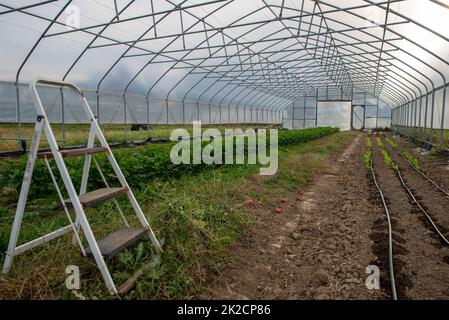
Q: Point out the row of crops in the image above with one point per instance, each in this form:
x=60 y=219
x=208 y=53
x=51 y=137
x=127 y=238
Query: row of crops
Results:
x=139 y=165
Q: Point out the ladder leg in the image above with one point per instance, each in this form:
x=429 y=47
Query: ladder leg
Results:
x=23 y=195
x=143 y=220
x=85 y=176
x=95 y=250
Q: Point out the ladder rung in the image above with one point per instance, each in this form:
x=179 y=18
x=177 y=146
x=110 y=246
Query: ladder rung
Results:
x=118 y=241
x=94 y=197
x=72 y=152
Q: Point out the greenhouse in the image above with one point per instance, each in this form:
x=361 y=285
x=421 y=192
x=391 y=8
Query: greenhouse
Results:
x=224 y=149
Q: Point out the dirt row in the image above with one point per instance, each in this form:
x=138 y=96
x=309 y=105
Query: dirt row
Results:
x=420 y=259
x=319 y=249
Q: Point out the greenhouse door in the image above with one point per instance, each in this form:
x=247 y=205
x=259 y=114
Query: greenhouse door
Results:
x=358 y=117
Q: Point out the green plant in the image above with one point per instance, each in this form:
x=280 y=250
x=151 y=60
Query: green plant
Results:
x=196 y=216
x=369 y=143
x=379 y=142
x=391 y=142
x=412 y=160
x=139 y=165
x=367 y=159
x=388 y=159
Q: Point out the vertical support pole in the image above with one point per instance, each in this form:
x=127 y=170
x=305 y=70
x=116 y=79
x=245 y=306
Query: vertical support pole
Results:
x=431 y=117
x=183 y=112
x=98 y=108
x=198 y=116
x=257 y=115
x=420 y=119
x=252 y=115
x=210 y=115
x=425 y=118
x=377 y=114
x=237 y=109
x=166 y=115
x=19 y=120
x=147 y=100
x=293 y=116
x=124 y=118
x=304 y=118
x=62 y=118
x=443 y=111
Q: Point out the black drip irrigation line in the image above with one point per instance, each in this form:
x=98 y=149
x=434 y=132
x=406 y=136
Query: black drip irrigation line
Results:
x=420 y=207
x=423 y=174
x=390 y=236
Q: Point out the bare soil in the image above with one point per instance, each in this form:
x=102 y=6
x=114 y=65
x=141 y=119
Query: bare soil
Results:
x=420 y=270
x=436 y=167
x=320 y=247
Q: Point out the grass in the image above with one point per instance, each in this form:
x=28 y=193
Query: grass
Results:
x=197 y=217
x=425 y=135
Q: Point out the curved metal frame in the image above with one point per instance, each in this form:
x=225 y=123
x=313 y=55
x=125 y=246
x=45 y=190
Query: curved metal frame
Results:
x=273 y=70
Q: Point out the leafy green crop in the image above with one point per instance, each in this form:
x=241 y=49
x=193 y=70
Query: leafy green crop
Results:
x=367 y=159
x=369 y=143
x=379 y=142
x=391 y=143
x=138 y=165
x=388 y=160
x=413 y=161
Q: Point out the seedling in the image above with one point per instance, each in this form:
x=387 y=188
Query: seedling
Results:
x=413 y=161
x=379 y=142
x=369 y=143
x=367 y=159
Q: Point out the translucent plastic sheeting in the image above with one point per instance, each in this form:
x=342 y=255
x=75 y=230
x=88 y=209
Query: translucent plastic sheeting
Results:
x=229 y=61
x=334 y=114
x=214 y=49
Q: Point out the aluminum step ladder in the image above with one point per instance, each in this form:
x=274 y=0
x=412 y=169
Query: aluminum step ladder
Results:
x=77 y=202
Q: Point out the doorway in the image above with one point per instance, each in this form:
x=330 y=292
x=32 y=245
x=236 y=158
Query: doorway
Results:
x=358 y=117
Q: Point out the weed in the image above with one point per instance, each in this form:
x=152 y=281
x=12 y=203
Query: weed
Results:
x=196 y=214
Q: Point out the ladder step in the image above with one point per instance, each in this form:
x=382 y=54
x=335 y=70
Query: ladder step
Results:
x=94 y=197
x=118 y=241
x=72 y=152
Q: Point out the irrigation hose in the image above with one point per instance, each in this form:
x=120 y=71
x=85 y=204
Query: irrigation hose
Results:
x=390 y=236
x=421 y=208
x=425 y=176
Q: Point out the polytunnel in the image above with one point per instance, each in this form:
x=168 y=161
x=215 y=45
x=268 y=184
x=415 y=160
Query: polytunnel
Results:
x=224 y=149
x=232 y=61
